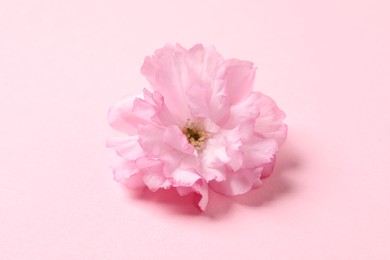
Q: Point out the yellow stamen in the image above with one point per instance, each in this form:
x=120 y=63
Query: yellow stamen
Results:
x=195 y=133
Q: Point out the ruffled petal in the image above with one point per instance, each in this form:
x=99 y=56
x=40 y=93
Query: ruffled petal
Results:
x=260 y=112
x=258 y=152
x=127 y=173
x=122 y=118
x=270 y=121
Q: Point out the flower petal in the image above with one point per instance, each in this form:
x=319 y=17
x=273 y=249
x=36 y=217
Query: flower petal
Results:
x=202 y=189
x=175 y=138
x=154 y=181
x=185 y=177
x=151 y=140
x=239 y=79
x=258 y=152
x=167 y=73
x=126 y=147
x=127 y=173
x=262 y=112
x=270 y=121
x=237 y=182
x=122 y=118
x=268 y=168
x=161 y=115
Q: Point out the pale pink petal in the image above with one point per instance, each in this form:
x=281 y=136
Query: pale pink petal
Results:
x=237 y=182
x=122 y=118
x=224 y=149
x=151 y=140
x=127 y=173
x=244 y=112
x=214 y=154
x=261 y=111
x=198 y=101
x=202 y=189
x=184 y=177
x=270 y=121
x=268 y=168
x=126 y=147
x=154 y=181
x=258 y=152
x=205 y=64
x=147 y=164
x=175 y=138
x=161 y=115
x=183 y=191
x=167 y=73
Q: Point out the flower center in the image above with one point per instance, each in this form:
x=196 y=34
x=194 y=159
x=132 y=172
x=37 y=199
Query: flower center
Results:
x=195 y=133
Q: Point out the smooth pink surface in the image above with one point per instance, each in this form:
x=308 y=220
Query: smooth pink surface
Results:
x=63 y=63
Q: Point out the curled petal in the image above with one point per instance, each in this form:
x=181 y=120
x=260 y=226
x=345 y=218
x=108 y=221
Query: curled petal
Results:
x=202 y=189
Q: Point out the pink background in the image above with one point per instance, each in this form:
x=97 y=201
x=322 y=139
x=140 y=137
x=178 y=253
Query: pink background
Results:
x=63 y=63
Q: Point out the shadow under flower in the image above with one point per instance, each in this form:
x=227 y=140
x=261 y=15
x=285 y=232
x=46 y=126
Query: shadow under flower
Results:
x=169 y=199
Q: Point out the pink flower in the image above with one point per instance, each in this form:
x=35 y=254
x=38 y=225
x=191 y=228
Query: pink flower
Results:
x=202 y=127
